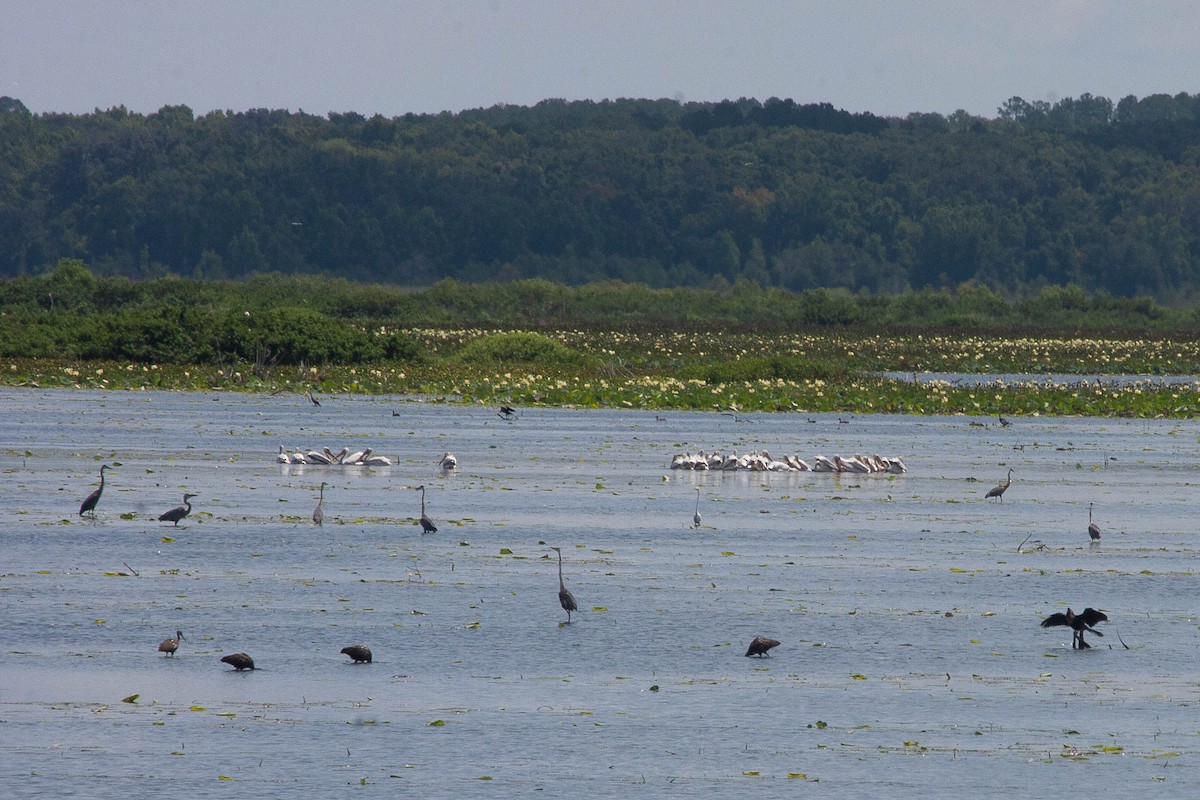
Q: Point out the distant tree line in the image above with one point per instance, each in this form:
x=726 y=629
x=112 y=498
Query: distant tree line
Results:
x=1101 y=195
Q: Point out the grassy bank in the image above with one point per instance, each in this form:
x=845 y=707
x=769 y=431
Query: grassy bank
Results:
x=805 y=373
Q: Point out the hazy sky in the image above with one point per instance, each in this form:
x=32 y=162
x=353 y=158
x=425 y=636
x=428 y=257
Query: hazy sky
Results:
x=890 y=57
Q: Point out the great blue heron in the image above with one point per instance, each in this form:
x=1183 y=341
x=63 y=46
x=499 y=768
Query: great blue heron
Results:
x=448 y=462
x=238 y=661
x=1093 y=528
x=760 y=646
x=427 y=525
x=178 y=512
x=318 y=516
x=169 y=646
x=565 y=598
x=358 y=652
x=88 y=506
x=696 y=516
x=999 y=490
x=1078 y=623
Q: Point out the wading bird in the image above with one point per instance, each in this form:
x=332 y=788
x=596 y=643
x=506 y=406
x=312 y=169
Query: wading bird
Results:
x=169 y=646
x=448 y=462
x=427 y=525
x=507 y=412
x=88 y=505
x=238 y=661
x=760 y=646
x=696 y=516
x=314 y=400
x=178 y=512
x=1000 y=489
x=358 y=652
x=565 y=598
x=1078 y=623
x=1093 y=528
x=318 y=514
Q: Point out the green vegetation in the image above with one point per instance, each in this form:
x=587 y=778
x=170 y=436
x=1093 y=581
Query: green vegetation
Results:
x=653 y=192
x=748 y=350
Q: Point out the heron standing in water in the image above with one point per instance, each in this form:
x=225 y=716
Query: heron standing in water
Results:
x=427 y=525
x=318 y=516
x=696 y=516
x=565 y=598
x=179 y=512
x=999 y=490
x=88 y=506
x=1093 y=528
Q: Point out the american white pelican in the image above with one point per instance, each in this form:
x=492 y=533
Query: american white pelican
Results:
x=823 y=464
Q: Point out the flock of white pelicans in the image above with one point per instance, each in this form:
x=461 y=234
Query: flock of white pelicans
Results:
x=762 y=461
x=364 y=457
x=344 y=458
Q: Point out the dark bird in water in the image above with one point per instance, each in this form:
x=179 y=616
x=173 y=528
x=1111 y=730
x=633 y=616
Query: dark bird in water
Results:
x=507 y=412
x=427 y=525
x=318 y=514
x=1003 y=422
x=999 y=490
x=358 y=652
x=314 y=400
x=760 y=646
x=89 y=503
x=238 y=661
x=565 y=598
x=1078 y=623
x=1093 y=528
x=169 y=646
x=178 y=512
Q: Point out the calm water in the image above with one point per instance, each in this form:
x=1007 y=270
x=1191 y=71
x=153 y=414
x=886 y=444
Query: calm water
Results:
x=912 y=660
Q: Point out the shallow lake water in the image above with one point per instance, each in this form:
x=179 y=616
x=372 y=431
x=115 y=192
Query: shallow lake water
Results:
x=907 y=606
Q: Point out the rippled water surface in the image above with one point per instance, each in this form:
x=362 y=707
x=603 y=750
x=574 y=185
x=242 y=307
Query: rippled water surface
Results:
x=907 y=606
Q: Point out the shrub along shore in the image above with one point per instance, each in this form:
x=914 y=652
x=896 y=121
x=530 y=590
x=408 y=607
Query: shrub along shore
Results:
x=537 y=343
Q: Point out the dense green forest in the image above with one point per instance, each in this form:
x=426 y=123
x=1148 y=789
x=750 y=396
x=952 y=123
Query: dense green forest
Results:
x=1102 y=195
